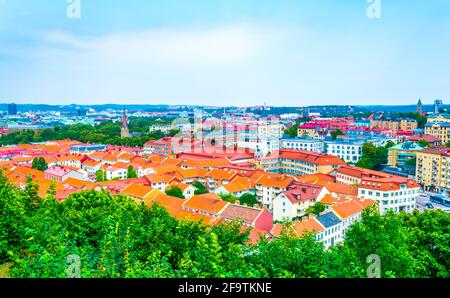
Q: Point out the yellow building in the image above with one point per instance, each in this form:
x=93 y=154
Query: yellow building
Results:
x=433 y=168
x=395 y=125
x=438 y=125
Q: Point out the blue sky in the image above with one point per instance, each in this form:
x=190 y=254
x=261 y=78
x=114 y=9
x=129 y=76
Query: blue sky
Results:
x=224 y=52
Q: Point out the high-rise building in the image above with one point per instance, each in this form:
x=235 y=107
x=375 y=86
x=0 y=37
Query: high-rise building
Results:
x=437 y=106
x=12 y=109
x=420 y=107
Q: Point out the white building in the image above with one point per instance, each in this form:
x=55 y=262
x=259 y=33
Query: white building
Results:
x=349 y=152
x=394 y=193
x=301 y=143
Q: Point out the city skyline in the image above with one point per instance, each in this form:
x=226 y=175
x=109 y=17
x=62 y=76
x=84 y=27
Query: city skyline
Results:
x=231 y=53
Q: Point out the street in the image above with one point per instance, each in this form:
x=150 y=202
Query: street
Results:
x=424 y=199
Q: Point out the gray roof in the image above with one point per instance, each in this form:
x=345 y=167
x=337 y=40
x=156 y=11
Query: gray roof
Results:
x=328 y=219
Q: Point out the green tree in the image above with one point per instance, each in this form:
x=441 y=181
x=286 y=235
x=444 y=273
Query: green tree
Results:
x=175 y=191
x=248 y=199
x=131 y=173
x=336 y=133
x=228 y=197
x=200 y=188
x=39 y=164
x=389 y=144
x=317 y=209
x=424 y=143
x=100 y=176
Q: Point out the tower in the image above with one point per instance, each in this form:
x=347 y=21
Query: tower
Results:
x=125 y=133
x=437 y=106
x=420 y=107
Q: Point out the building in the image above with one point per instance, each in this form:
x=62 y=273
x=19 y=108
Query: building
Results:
x=303 y=143
x=296 y=199
x=269 y=186
x=334 y=229
x=347 y=149
x=61 y=174
x=420 y=107
x=259 y=219
x=302 y=163
x=402 y=155
x=438 y=104
x=440 y=130
x=401 y=124
x=125 y=132
x=12 y=109
x=433 y=169
x=392 y=193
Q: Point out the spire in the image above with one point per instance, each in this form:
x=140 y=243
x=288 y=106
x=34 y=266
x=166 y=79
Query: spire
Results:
x=125 y=119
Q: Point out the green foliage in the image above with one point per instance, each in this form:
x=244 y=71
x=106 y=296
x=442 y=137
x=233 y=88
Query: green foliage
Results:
x=39 y=164
x=424 y=143
x=107 y=132
x=389 y=144
x=293 y=130
x=131 y=172
x=175 y=192
x=117 y=238
x=100 y=176
x=336 y=133
x=228 y=197
x=373 y=157
x=248 y=199
x=200 y=188
x=317 y=209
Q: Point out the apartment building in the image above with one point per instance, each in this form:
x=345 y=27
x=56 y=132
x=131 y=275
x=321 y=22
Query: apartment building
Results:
x=433 y=169
x=294 y=202
x=392 y=193
x=303 y=143
x=269 y=186
x=403 y=124
x=302 y=163
x=440 y=130
x=400 y=154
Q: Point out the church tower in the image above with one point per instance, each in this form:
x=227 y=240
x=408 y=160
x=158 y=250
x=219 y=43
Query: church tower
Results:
x=125 y=133
x=420 y=107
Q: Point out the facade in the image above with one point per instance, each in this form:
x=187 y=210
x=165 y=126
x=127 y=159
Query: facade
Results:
x=400 y=154
x=302 y=163
x=294 y=202
x=349 y=150
x=433 y=169
x=303 y=143
x=395 y=124
x=61 y=174
x=393 y=193
x=438 y=125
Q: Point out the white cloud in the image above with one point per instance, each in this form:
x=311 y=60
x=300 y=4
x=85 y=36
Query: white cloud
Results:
x=215 y=46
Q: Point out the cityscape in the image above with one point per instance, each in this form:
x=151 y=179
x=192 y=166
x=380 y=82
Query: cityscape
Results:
x=302 y=187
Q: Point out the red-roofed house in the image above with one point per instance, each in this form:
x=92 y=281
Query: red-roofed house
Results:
x=296 y=199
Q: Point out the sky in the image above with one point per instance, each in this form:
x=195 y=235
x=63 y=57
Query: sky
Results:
x=225 y=52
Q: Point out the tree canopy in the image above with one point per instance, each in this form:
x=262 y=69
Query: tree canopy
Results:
x=115 y=237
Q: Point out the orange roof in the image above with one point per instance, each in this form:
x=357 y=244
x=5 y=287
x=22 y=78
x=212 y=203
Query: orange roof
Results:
x=347 y=209
x=156 y=178
x=332 y=200
x=91 y=163
x=236 y=187
x=218 y=174
x=299 y=229
x=387 y=184
x=270 y=180
x=310 y=157
x=172 y=204
x=137 y=191
x=80 y=184
x=193 y=216
x=210 y=203
x=318 y=177
x=339 y=188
